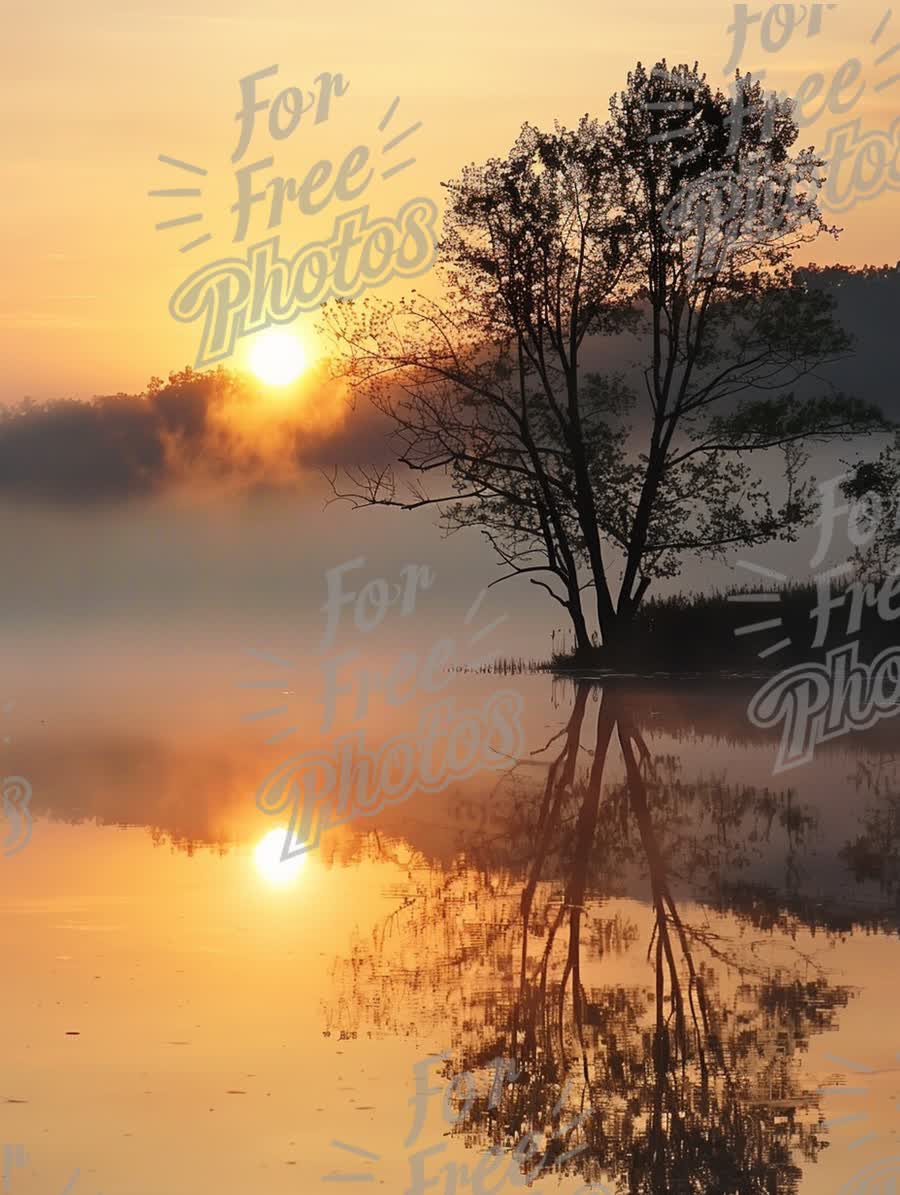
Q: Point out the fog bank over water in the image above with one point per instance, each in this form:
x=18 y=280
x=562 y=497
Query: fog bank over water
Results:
x=192 y=564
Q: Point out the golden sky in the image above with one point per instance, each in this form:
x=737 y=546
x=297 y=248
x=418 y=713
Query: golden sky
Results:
x=93 y=93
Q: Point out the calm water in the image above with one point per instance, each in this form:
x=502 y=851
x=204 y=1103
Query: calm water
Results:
x=689 y=962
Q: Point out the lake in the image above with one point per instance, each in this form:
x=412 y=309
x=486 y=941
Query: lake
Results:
x=629 y=959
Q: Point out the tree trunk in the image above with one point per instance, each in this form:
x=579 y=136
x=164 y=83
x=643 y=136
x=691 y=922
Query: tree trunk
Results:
x=620 y=646
x=583 y=645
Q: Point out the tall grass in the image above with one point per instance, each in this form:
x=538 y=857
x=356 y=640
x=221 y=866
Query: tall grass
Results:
x=712 y=632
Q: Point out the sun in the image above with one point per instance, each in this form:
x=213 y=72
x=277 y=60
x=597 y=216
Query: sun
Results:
x=277 y=357
x=269 y=863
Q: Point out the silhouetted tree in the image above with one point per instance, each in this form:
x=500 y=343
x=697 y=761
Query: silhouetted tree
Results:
x=875 y=487
x=569 y=241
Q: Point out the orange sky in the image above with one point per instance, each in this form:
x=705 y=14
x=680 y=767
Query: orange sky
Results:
x=94 y=93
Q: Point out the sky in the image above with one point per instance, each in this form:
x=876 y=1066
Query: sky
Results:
x=93 y=94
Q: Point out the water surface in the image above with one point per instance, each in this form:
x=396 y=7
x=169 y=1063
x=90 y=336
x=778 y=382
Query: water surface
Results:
x=689 y=961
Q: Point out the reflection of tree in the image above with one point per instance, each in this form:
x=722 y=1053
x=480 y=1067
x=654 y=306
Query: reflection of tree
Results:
x=681 y=1077
x=710 y=1093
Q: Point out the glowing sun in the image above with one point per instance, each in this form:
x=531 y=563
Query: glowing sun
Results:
x=269 y=863
x=277 y=357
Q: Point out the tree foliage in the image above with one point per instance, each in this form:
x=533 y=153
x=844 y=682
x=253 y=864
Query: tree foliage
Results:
x=512 y=407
